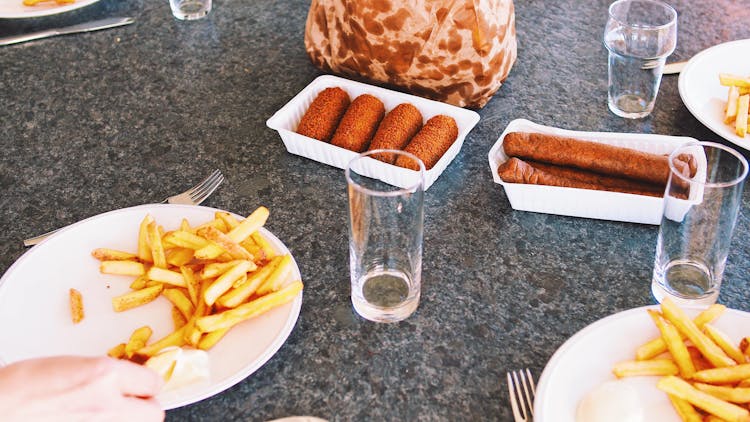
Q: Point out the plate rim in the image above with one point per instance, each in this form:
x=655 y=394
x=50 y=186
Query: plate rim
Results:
x=46 y=11
x=692 y=108
x=226 y=383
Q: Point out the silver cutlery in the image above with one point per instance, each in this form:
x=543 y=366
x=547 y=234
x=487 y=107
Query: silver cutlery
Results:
x=673 y=68
x=521 y=390
x=83 y=27
x=192 y=196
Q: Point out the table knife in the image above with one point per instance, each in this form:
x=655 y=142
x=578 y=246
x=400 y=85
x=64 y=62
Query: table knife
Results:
x=83 y=27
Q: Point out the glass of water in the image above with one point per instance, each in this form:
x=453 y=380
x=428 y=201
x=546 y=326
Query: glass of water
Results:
x=385 y=238
x=701 y=204
x=190 y=9
x=639 y=35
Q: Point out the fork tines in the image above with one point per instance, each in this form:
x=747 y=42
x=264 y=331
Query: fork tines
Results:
x=521 y=390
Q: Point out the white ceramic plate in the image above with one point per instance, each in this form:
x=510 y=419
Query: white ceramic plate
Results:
x=35 y=316
x=14 y=9
x=586 y=359
x=704 y=96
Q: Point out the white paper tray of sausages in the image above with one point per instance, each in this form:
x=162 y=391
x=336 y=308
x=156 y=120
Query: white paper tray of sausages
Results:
x=602 y=175
x=333 y=119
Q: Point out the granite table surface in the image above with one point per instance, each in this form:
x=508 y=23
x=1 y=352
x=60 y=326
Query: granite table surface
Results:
x=95 y=122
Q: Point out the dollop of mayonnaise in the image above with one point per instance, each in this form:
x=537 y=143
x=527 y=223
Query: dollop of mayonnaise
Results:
x=180 y=366
x=611 y=401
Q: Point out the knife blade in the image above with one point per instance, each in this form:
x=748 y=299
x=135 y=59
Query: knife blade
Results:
x=673 y=68
x=82 y=27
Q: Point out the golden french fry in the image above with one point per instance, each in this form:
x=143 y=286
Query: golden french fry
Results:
x=230 y=246
x=268 y=250
x=185 y=239
x=730 y=112
x=105 y=254
x=278 y=277
x=728 y=79
x=744 y=383
x=136 y=298
x=740 y=123
x=178 y=257
x=682 y=389
x=122 y=268
x=687 y=327
x=155 y=243
x=175 y=338
x=723 y=341
x=178 y=318
x=144 y=250
x=178 y=299
x=210 y=339
x=139 y=282
x=137 y=340
x=117 y=352
x=225 y=281
x=217 y=223
x=730 y=394
x=192 y=284
x=166 y=276
x=231 y=317
x=724 y=375
x=239 y=293
x=216 y=269
x=228 y=219
x=76 y=305
x=632 y=368
x=684 y=409
x=657 y=346
x=246 y=227
x=675 y=345
x=185 y=226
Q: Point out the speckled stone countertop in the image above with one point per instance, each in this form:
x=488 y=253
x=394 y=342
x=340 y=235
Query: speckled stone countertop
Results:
x=100 y=121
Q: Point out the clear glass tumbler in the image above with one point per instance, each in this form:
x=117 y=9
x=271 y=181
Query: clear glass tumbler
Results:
x=190 y=9
x=701 y=204
x=385 y=238
x=639 y=35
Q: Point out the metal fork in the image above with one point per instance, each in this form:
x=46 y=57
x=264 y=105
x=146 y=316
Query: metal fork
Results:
x=521 y=390
x=192 y=196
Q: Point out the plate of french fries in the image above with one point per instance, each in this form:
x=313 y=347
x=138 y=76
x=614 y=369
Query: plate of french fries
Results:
x=715 y=87
x=139 y=281
x=681 y=364
x=12 y=9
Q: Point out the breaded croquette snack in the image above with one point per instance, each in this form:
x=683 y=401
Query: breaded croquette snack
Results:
x=359 y=123
x=431 y=142
x=396 y=129
x=323 y=115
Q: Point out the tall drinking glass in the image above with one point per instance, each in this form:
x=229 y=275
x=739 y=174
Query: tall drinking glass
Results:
x=701 y=204
x=385 y=239
x=639 y=35
x=190 y=9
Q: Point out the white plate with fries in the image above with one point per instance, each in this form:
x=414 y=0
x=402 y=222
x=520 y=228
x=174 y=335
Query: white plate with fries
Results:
x=702 y=93
x=586 y=361
x=14 y=9
x=35 y=311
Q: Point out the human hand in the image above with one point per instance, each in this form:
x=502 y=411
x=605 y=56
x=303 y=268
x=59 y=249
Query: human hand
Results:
x=79 y=389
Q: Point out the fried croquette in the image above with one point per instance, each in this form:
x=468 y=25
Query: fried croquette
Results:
x=395 y=131
x=323 y=115
x=431 y=142
x=359 y=123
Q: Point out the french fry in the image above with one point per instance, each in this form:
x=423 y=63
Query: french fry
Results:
x=724 y=375
x=246 y=227
x=724 y=342
x=632 y=368
x=730 y=394
x=185 y=239
x=228 y=219
x=231 y=317
x=225 y=242
x=728 y=79
x=278 y=277
x=684 y=409
x=76 y=305
x=216 y=269
x=122 y=268
x=178 y=299
x=730 y=113
x=709 y=349
x=136 y=298
x=178 y=257
x=139 y=282
x=144 y=250
x=157 y=248
x=185 y=226
x=210 y=339
x=239 y=293
x=682 y=389
x=166 y=276
x=225 y=281
x=268 y=250
x=137 y=340
x=117 y=352
x=657 y=346
x=740 y=123
x=178 y=318
x=105 y=254
x=175 y=338
x=192 y=284
x=675 y=345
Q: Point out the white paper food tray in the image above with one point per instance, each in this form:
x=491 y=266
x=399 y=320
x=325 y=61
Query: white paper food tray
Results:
x=583 y=202
x=285 y=121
